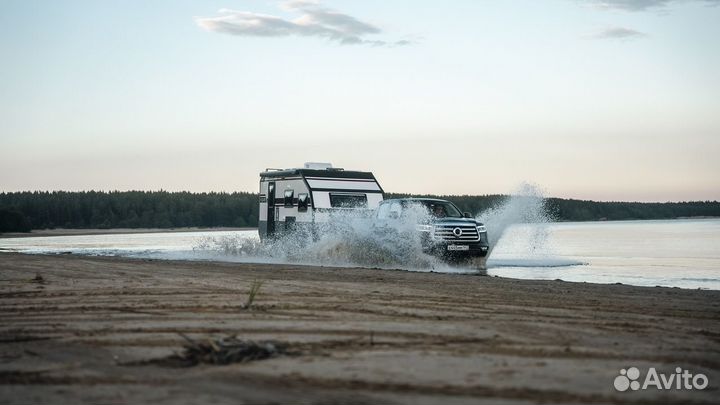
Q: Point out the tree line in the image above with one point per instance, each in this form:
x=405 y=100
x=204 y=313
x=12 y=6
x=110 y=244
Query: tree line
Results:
x=125 y=209
x=564 y=209
x=23 y=211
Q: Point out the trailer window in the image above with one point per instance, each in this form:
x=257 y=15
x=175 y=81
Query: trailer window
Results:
x=289 y=197
x=348 y=200
x=302 y=202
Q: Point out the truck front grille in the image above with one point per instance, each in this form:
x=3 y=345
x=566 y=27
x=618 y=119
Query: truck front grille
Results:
x=447 y=232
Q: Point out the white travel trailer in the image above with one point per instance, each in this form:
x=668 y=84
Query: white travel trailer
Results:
x=304 y=198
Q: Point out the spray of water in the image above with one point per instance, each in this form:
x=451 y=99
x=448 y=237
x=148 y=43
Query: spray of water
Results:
x=527 y=205
x=350 y=239
x=354 y=239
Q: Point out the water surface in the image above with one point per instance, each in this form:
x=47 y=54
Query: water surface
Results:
x=673 y=253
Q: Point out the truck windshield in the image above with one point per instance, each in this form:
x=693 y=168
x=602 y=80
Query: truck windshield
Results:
x=442 y=209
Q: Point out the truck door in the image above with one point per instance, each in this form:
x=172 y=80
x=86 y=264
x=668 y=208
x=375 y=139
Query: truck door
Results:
x=271 y=209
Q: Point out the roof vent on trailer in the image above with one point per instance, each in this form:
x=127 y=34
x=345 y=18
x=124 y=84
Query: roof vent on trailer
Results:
x=320 y=166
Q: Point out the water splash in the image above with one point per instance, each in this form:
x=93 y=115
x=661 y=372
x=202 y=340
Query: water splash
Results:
x=519 y=232
x=350 y=239
x=353 y=239
x=527 y=205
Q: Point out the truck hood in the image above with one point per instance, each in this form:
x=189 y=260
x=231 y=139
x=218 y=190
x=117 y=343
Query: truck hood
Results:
x=456 y=221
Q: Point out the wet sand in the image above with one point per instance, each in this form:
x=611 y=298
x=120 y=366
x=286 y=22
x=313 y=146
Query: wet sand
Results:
x=84 y=330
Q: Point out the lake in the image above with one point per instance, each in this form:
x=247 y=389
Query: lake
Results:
x=672 y=253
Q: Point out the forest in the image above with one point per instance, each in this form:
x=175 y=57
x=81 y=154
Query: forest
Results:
x=24 y=211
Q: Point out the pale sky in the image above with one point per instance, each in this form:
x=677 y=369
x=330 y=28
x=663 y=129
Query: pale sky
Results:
x=605 y=100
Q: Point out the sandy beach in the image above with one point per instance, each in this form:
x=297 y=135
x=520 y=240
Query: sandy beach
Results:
x=91 y=329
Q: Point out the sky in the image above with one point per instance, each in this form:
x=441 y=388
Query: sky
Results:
x=591 y=99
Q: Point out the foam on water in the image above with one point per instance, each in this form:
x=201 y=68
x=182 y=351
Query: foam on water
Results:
x=542 y=261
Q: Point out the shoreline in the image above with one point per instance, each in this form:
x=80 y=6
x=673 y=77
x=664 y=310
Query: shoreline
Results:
x=111 y=231
x=86 y=329
x=114 y=231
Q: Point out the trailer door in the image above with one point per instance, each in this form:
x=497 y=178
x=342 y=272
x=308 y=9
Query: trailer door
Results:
x=271 y=209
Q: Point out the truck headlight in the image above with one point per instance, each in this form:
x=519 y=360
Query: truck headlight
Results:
x=424 y=228
x=481 y=228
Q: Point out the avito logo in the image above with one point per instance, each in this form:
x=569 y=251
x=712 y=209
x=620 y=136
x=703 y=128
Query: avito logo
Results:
x=680 y=380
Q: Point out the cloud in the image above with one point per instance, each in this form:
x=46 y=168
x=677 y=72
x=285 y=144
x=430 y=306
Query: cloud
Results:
x=634 y=6
x=642 y=5
x=617 y=33
x=314 y=21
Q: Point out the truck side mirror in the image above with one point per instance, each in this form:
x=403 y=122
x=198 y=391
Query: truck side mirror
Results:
x=467 y=215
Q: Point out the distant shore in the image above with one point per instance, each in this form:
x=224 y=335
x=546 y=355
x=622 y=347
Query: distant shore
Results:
x=149 y=209
x=73 y=232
